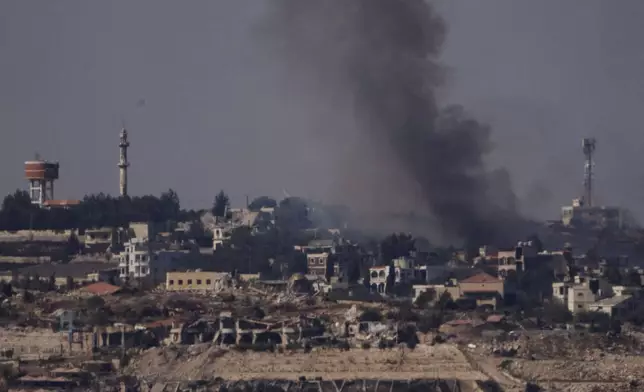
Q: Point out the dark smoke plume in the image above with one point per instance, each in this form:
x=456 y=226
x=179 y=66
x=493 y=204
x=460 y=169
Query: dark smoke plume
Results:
x=382 y=54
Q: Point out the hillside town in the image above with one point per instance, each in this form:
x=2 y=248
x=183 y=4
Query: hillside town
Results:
x=287 y=294
x=416 y=253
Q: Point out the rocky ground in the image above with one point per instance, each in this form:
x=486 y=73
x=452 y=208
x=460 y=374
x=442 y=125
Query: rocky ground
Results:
x=206 y=362
x=622 y=369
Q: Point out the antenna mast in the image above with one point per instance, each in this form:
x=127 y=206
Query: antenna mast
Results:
x=588 y=146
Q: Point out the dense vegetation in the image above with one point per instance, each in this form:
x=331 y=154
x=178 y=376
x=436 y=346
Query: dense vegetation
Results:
x=94 y=211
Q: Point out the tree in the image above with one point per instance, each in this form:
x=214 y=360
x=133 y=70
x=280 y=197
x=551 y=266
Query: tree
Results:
x=599 y=322
x=95 y=302
x=613 y=275
x=34 y=284
x=262 y=202
x=445 y=301
x=221 y=204
x=27 y=297
x=170 y=206
x=391 y=279
x=634 y=279
x=536 y=241
x=5 y=288
x=371 y=315
x=396 y=245
x=426 y=298
x=557 y=313
x=70 y=283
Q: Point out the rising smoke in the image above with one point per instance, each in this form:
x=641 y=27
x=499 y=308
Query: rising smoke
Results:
x=381 y=56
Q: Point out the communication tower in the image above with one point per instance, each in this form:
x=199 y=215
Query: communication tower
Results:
x=588 y=146
x=123 y=162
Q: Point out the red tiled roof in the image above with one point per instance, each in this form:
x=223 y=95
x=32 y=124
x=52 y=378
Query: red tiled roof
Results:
x=481 y=278
x=101 y=288
x=495 y=318
x=61 y=203
x=459 y=322
x=159 y=323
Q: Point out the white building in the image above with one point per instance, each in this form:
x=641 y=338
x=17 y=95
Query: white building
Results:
x=404 y=269
x=144 y=260
x=579 y=294
x=219 y=236
x=614 y=306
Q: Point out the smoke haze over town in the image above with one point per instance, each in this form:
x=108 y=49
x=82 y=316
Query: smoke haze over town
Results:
x=209 y=105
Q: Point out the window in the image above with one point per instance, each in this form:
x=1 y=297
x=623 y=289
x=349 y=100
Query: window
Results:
x=144 y=270
x=180 y=281
x=208 y=281
x=198 y=281
x=579 y=306
x=580 y=294
x=189 y=281
x=171 y=282
x=561 y=291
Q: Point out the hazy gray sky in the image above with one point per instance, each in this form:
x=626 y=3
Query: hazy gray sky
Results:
x=217 y=115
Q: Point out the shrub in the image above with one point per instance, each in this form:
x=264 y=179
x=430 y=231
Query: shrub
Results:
x=370 y=315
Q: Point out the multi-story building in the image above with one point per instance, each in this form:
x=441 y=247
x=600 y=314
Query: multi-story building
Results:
x=220 y=234
x=147 y=261
x=318 y=264
x=579 y=294
x=195 y=280
x=403 y=268
x=481 y=288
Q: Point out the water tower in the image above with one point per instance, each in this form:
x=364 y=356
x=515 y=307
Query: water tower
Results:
x=41 y=176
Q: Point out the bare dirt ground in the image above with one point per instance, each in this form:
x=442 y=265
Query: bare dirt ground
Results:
x=207 y=362
x=568 y=362
x=32 y=341
x=622 y=369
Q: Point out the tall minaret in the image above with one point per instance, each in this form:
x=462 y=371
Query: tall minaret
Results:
x=123 y=163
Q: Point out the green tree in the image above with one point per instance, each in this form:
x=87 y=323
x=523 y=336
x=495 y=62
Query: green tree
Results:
x=395 y=246
x=221 y=204
x=371 y=315
x=634 y=279
x=170 y=205
x=445 y=301
x=73 y=245
x=391 y=279
x=95 y=302
x=613 y=275
x=554 y=312
x=425 y=298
